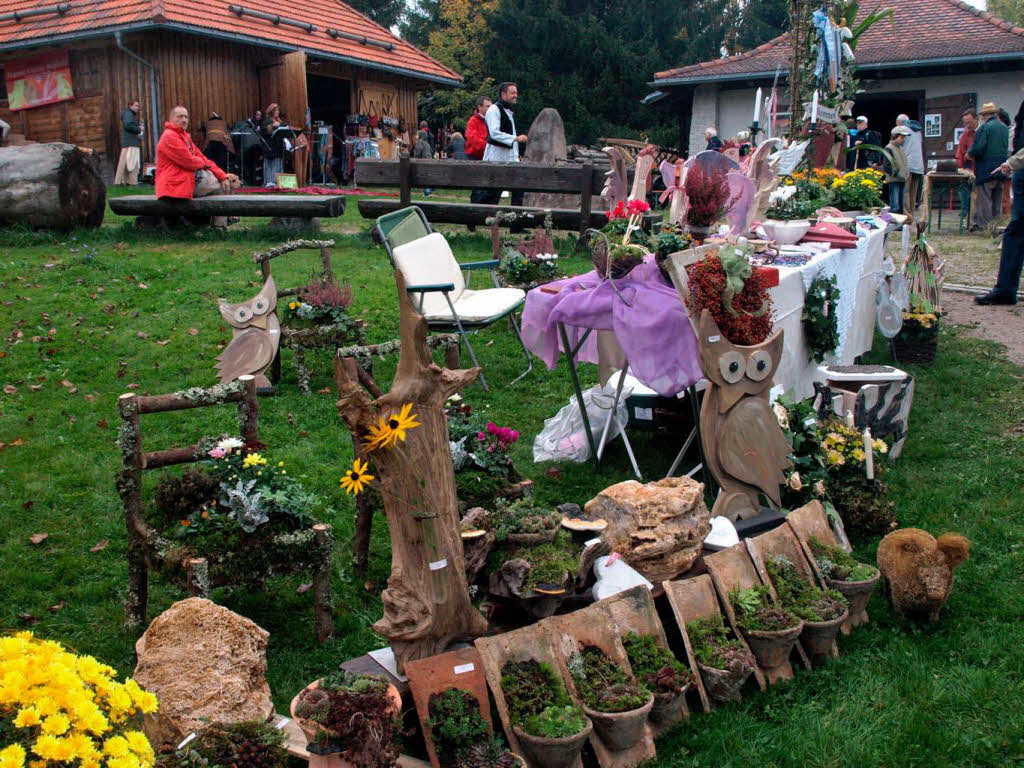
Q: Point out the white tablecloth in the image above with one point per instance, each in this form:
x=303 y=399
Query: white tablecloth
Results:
x=855 y=270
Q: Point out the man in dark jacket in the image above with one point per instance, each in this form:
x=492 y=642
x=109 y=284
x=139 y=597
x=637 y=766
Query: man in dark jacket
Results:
x=130 y=161
x=989 y=151
x=866 y=158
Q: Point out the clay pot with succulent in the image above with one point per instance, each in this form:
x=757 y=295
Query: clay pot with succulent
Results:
x=617 y=704
x=461 y=736
x=822 y=610
x=661 y=672
x=549 y=727
x=352 y=718
x=854 y=580
x=724 y=663
x=770 y=630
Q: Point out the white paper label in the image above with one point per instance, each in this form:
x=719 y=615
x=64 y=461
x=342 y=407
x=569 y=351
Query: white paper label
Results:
x=186 y=740
x=646 y=414
x=713 y=339
x=283 y=723
x=437 y=565
x=461 y=669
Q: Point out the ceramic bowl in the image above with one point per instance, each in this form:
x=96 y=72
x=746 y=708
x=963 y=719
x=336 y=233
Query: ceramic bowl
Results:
x=786 y=232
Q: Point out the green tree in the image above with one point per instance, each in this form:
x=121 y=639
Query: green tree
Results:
x=387 y=13
x=421 y=17
x=1008 y=10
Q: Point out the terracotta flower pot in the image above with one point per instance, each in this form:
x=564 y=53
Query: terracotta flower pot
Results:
x=553 y=753
x=818 y=636
x=667 y=705
x=771 y=649
x=857 y=593
x=620 y=730
x=311 y=729
x=723 y=685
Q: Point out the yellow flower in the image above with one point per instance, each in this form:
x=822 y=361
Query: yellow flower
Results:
x=253 y=460
x=880 y=446
x=292 y=304
x=858 y=454
x=835 y=458
x=27 y=717
x=391 y=429
x=55 y=725
x=356 y=478
x=12 y=756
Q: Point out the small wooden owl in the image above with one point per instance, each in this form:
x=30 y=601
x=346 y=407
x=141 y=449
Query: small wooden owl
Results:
x=744 y=446
x=256 y=334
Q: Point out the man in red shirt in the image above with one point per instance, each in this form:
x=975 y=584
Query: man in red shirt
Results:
x=182 y=171
x=476 y=139
x=965 y=161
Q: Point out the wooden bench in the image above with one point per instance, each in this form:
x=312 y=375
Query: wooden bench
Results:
x=286 y=209
x=406 y=173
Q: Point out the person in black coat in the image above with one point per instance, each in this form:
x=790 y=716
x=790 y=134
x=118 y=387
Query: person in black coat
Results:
x=711 y=136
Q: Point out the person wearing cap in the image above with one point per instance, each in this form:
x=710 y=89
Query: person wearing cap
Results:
x=866 y=158
x=1011 y=259
x=913 y=148
x=989 y=151
x=896 y=168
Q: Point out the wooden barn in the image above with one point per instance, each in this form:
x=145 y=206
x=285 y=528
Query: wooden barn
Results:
x=68 y=69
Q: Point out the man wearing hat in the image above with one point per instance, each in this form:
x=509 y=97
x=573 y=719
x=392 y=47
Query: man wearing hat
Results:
x=990 y=150
x=913 y=148
x=897 y=169
x=866 y=158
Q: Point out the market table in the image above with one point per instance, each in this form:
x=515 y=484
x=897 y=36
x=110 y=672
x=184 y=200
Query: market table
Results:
x=651 y=327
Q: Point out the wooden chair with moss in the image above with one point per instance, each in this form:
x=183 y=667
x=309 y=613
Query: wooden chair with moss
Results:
x=300 y=340
x=308 y=549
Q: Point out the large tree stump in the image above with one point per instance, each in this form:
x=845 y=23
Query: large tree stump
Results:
x=426 y=603
x=53 y=186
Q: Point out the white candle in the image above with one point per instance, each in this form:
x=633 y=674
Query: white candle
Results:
x=814 y=108
x=869 y=454
x=849 y=419
x=757 y=107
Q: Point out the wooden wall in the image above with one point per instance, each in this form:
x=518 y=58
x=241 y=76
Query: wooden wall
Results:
x=201 y=74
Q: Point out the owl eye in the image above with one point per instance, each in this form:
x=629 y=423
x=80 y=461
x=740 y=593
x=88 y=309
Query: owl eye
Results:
x=731 y=365
x=759 y=365
x=260 y=306
x=242 y=314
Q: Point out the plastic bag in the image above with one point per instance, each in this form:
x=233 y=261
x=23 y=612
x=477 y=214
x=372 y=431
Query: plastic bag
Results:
x=563 y=437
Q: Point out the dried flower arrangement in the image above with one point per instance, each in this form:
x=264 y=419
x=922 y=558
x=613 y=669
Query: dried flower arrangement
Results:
x=750 y=321
x=707 y=190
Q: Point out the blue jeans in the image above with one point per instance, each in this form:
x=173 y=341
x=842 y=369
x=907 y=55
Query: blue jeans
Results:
x=896 y=190
x=1012 y=258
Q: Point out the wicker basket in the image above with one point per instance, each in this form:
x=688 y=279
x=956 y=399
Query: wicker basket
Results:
x=916 y=344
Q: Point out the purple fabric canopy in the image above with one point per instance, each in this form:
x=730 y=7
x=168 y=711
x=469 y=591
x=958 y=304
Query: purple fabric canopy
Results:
x=654 y=332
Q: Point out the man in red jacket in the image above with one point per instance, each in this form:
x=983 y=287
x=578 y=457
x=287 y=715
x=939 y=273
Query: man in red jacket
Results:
x=476 y=139
x=182 y=171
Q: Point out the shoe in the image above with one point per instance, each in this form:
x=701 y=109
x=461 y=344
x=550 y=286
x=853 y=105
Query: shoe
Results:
x=974 y=228
x=993 y=298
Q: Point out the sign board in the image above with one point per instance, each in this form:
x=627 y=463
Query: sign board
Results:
x=39 y=80
x=932 y=126
x=825 y=114
x=287 y=181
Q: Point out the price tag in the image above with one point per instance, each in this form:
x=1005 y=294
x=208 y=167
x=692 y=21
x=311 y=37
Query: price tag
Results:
x=713 y=339
x=283 y=723
x=645 y=414
x=186 y=740
x=437 y=565
x=461 y=669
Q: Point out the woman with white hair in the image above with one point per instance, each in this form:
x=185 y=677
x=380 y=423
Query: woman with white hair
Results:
x=711 y=135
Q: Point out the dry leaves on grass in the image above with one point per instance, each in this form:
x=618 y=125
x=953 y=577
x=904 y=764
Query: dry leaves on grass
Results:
x=38 y=538
x=304 y=588
x=10 y=389
x=13 y=444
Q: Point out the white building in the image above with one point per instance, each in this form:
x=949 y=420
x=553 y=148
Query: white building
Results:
x=936 y=59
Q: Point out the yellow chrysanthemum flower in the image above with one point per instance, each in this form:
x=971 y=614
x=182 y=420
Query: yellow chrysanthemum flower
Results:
x=12 y=756
x=253 y=460
x=356 y=479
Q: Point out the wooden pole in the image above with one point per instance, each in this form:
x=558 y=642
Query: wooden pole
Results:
x=586 y=195
x=404 y=179
x=129 y=486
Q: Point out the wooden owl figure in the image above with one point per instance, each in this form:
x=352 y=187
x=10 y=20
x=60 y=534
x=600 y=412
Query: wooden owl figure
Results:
x=256 y=334
x=744 y=446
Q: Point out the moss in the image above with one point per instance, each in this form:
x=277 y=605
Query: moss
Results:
x=252 y=744
x=654 y=665
x=549 y=562
x=556 y=722
x=838 y=564
x=712 y=646
x=455 y=723
x=479 y=488
x=602 y=684
x=530 y=687
x=800 y=596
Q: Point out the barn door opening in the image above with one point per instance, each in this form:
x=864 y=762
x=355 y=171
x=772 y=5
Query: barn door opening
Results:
x=283 y=82
x=330 y=100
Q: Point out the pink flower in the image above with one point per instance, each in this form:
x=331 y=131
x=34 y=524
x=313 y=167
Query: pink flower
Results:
x=216 y=453
x=638 y=206
x=515 y=436
x=490 y=449
x=492 y=428
x=481 y=436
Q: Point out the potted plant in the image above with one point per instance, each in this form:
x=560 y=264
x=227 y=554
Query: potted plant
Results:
x=855 y=581
x=550 y=729
x=545 y=568
x=252 y=744
x=616 y=704
x=527 y=263
x=770 y=630
x=522 y=524
x=671 y=239
x=352 y=717
x=862 y=503
x=823 y=610
x=724 y=663
x=621 y=244
x=858 y=191
x=791 y=208
x=321 y=302
x=918 y=340
x=661 y=672
x=460 y=734
x=480 y=449
x=707 y=193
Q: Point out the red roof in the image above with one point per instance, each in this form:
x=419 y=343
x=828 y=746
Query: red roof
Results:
x=93 y=17
x=923 y=31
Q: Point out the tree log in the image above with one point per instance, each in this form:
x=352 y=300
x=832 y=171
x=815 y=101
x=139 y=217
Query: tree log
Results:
x=52 y=186
x=231 y=205
x=426 y=603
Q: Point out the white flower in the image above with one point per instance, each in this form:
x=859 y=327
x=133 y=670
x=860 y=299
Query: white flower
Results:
x=781 y=414
x=546 y=256
x=819 y=488
x=795 y=482
x=228 y=444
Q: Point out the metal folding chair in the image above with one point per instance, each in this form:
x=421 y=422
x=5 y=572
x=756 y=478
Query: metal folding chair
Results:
x=399 y=231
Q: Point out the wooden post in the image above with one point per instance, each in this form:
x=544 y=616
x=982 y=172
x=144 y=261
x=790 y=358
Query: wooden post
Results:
x=426 y=603
x=322 y=598
x=404 y=179
x=248 y=410
x=129 y=485
x=586 y=195
x=452 y=355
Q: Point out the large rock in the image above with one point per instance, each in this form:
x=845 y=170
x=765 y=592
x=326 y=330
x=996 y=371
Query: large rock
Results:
x=206 y=665
x=658 y=528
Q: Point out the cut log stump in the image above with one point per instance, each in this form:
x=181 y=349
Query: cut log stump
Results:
x=51 y=186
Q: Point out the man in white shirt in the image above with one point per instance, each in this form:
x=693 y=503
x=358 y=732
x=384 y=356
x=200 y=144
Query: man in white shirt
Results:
x=914 y=150
x=502 y=140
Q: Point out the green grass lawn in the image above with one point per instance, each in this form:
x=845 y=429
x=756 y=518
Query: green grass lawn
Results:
x=89 y=316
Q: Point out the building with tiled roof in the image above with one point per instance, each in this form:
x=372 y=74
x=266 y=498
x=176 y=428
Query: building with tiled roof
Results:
x=321 y=60
x=935 y=59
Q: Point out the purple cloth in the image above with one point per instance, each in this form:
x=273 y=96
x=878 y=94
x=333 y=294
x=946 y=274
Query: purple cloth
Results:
x=654 y=332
